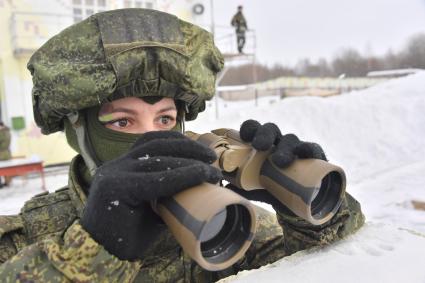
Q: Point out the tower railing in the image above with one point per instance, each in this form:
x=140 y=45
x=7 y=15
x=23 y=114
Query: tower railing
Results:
x=225 y=39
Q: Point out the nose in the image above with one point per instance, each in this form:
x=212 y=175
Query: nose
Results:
x=146 y=127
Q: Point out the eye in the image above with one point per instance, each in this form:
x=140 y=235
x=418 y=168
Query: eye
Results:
x=121 y=123
x=165 y=120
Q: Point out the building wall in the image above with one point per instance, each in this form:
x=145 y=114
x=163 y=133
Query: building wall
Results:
x=26 y=25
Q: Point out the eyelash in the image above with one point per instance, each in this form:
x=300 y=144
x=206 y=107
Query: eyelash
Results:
x=115 y=121
x=171 y=119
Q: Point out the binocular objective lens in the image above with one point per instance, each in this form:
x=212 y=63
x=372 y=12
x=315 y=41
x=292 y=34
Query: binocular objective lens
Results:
x=328 y=197
x=214 y=226
x=223 y=236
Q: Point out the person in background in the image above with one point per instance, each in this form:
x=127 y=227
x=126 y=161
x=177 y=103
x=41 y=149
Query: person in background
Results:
x=239 y=22
x=120 y=84
x=5 y=150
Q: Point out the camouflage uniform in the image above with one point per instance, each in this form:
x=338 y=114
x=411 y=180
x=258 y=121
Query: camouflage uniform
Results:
x=86 y=65
x=239 y=22
x=4 y=143
x=46 y=243
x=5 y=150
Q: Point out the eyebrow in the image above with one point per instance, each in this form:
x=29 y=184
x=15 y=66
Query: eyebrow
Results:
x=124 y=110
x=133 y=112
x=167 y=109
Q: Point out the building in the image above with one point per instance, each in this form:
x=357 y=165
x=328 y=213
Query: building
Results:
x=297 y=86
x=393 y=73
x=25 y=25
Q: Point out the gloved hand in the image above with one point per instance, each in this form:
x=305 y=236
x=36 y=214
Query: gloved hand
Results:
x=287 y=148
x=118 y=214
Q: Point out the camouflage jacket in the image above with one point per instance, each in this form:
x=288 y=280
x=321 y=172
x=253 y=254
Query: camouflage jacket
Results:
x=4 y=143
x=46 y=243
x=239 y=22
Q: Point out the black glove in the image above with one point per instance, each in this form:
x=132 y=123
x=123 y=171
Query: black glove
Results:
x=160 y=164
x=287 y=149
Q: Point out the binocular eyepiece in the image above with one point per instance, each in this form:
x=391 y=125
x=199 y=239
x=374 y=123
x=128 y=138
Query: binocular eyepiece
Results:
x=216 y=226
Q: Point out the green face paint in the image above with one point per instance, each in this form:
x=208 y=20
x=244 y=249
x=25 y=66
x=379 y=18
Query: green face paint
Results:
x=106 y=118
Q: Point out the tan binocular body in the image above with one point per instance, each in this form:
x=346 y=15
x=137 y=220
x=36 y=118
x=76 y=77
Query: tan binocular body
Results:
x=216 y=226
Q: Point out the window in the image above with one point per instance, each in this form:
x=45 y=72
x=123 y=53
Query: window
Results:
x=82 y=9
x=77 y=11
x=138 y=4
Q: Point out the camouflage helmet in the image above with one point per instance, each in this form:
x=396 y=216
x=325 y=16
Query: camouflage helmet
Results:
x=121 y=53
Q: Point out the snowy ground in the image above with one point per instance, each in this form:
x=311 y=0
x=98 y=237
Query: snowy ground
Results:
x=23 y=188
x=378 y=136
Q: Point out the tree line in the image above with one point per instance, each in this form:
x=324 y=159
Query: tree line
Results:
x=348 y=62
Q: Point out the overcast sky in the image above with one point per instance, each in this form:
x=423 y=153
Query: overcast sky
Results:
x=289 y=30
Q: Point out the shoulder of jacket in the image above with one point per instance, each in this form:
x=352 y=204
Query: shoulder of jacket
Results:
x=48 y=213
x=46 y=199
x=10 y=223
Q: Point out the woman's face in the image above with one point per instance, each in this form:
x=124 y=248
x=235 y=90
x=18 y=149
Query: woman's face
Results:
x=135 y=116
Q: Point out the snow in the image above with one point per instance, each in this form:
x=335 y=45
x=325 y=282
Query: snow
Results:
x=146 y=157
x=377 y=253
x=23 y=188
x=378 y=136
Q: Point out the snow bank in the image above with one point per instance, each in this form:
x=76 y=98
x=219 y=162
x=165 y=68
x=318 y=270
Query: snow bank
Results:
x=377 y=253
x=378 y=136
x=365 y=132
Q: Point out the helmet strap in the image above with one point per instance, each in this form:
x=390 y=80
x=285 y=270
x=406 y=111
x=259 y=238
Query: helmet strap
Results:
x=183 y=118
x=183 y=126
x=78 y=123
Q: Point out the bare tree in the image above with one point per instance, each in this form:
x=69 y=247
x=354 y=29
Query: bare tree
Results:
x=413 y=55
x=347 y=61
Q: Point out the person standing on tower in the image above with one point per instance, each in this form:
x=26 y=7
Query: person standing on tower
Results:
x=239 y=22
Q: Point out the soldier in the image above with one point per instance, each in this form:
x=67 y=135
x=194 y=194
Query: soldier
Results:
x=4 y=149
x=121 y=84
x=239 y=22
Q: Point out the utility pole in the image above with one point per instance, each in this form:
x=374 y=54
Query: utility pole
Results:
x=212 y=18
x=213 y=34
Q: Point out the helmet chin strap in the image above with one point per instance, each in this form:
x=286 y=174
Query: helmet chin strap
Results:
x=78 y=123
x=182 y=112
x=182 y=122
x=183 y=126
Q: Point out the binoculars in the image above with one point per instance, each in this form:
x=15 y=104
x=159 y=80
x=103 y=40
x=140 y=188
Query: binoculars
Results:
x=216 y=226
